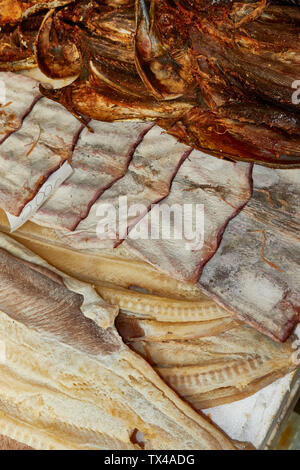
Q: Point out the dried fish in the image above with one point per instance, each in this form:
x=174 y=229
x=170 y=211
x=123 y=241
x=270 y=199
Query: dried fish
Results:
x=56 y=54
x=63 y=359
x=99 y=159
x=17 y=45
x=161 y=308
x=29 y=155
x=19 y=97
x=93 y=99
x=162 y=75
x=14 y=11
x=256 y=271
x=216 y=75
x=218 y=187
x=147 y=181
x=216 y=369
x=137 y=329
x=115 y=269
x=6 y=443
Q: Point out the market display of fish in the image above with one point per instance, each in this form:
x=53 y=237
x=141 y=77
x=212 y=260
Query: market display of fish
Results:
x=29 y=155
x=197 y=347
x=137 y=98
x=255 y=270
x=219 y=76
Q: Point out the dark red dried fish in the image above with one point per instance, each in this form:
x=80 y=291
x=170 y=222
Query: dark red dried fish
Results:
x=219 y=75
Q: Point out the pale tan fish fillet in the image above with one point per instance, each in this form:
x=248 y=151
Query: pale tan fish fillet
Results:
x=99 y=159
x=218 y=188
x=219 y=369
x=69 y=382
x=94 y=268
x=255 y=273
x=162 y=309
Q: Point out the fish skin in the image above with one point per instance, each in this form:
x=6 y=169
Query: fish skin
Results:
x=92 y=99
x=255 y=273
x=29 y=155
x=99 y=159
x=222 y=187
x=6 y=443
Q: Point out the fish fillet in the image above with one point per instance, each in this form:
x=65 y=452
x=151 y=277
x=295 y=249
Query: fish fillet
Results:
x=18 y=95
x=99 y=159
x=68 y=381
x=256 y=271
x=221 y=188
x=217 y=368
x=29 y=155
x=147 y=181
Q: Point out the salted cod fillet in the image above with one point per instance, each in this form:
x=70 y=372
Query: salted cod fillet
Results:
x=68 y=381
x=32 y=153
x=147 y=181
x=220 y=188
x=18 y=95
x=214 y=369
x=100 y=158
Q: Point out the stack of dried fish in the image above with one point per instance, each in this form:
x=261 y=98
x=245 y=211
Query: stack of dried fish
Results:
x=205 y=355
x=218 y=75
x=249 y=258
x=68 y=381
x=198 y=349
